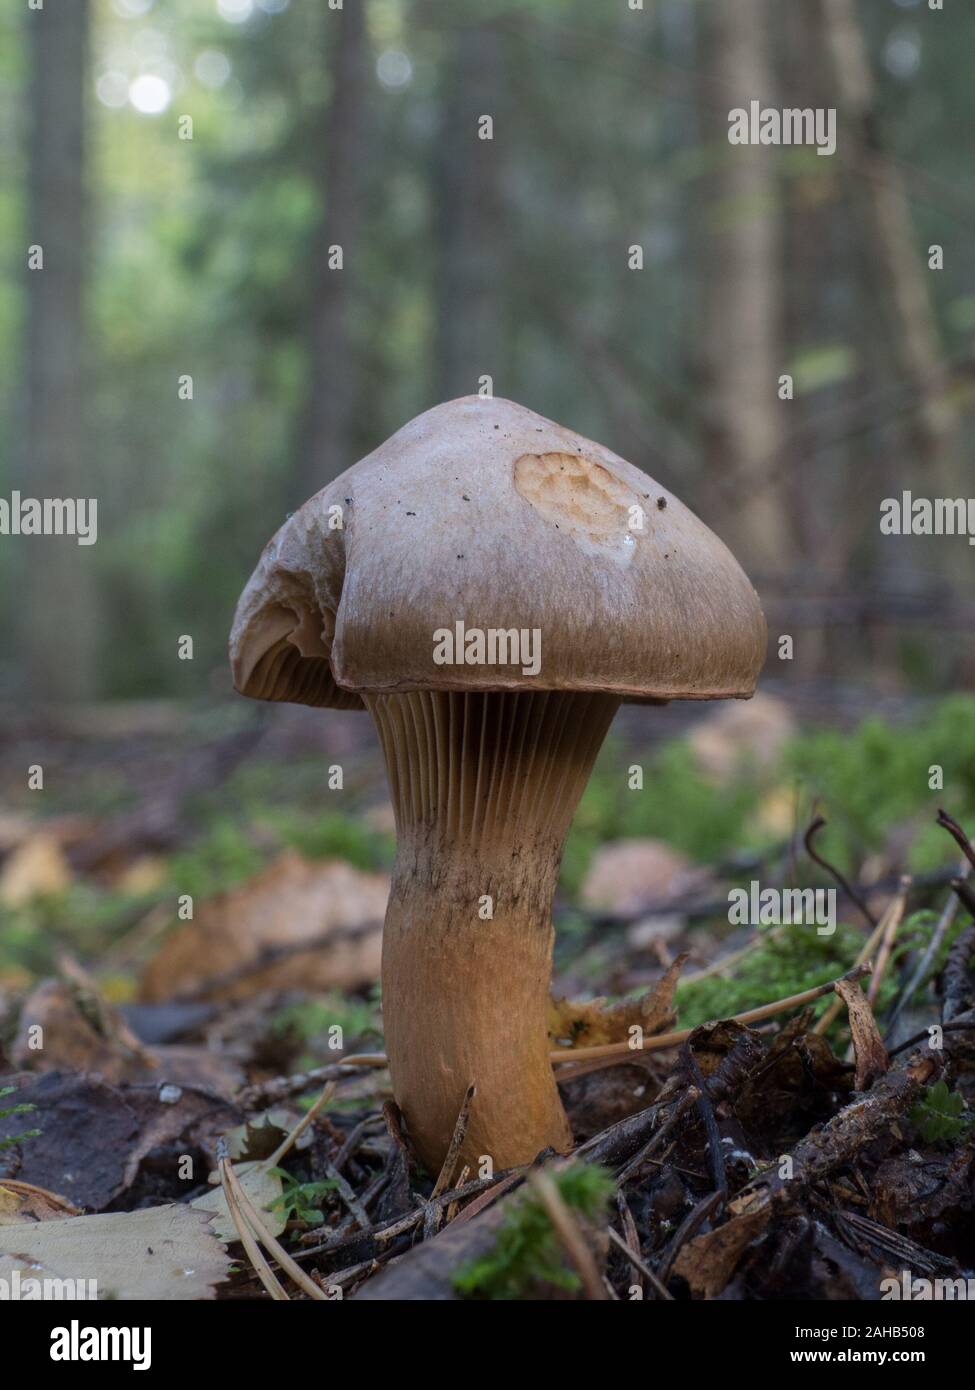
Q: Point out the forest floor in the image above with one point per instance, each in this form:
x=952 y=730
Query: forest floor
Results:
x=190 y=929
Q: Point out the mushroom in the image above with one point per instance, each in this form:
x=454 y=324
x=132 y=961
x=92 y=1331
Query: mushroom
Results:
x=489 y=586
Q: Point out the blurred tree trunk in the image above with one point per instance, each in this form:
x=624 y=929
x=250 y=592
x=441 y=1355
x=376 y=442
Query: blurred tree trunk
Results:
x=329 y=425
x=879 y=189
x=470 y=230
x=817 y=482
x=742 y=290
x=59 y=620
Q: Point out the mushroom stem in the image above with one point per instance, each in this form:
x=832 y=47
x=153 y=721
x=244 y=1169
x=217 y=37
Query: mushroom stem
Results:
x=484 y=787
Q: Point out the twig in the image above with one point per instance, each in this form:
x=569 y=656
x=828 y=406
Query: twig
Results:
x=567 y=1229
x=262 y=1233
x=958 y=835
x=892 y=920
x=706 y=1109
x=266 y=1093
x=354 y=1139
x=871 y=944
x=261 y=1267
x=631 y=1236
x=829 y=1147
x=925 y=1035
x=685 y=1230
x=963 y=892
x=462 y=1181
x=686 y=1102
x=348 y=1195
x=635 y=1260
x=814 y=829
x=487 y=1188
x=289 y=1140
x=662 y=1040
x=958 y=985
x=924 y=964
x=497 y=1188
x=457 y=1140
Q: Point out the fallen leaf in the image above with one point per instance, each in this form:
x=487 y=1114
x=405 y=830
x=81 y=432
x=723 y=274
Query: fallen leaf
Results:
x=85 y=1034
x=99 y=1143
x=161 y=1253
x=708 y=1261
x=592 y=1022
x=626 y=876
x=602 y=1098
x=24 y=1202
x=259 y=1135
x=261 y=1185
x=296 y=925
x=37 y=867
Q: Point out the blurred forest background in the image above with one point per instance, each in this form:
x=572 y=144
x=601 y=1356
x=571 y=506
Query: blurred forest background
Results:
x=313 y=127
x=169 y=258
x=192 y=885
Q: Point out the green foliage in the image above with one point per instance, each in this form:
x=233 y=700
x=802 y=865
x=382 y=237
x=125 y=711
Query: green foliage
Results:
x=299 y=1200
x=330 y=835
x=791 y=959
x=527 y=1251
x=877 y=776
x=22 y=1109
x=222 y=857
x=230 y=852
x=942 y=1114
x=865 y=782
x=676 y=804
x=312 y=1018
x=788 y=960
x=82 y=918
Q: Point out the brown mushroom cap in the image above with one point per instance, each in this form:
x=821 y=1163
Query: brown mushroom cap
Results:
x=483 y=512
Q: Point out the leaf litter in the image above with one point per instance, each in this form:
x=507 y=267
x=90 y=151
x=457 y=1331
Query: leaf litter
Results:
x=742 y=1161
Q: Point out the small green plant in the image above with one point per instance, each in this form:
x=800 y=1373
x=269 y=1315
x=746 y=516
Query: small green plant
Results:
x=527 y=1251
x=942 y=1114
x=21 y=1109
x=299 y=1201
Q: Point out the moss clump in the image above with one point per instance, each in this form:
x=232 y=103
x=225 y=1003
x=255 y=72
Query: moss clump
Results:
x=528 y=1252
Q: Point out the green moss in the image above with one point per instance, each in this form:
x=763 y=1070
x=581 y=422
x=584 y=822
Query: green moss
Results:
x=878 y=776
x=527 y=1251
x=309 y=1019
x=792 y=959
